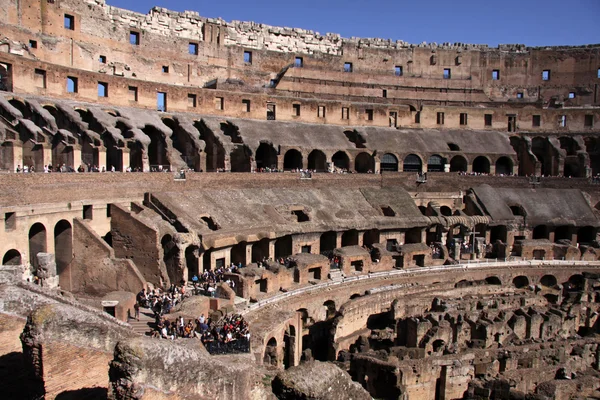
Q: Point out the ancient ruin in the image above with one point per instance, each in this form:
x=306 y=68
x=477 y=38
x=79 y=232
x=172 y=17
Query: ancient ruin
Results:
x=327 y=218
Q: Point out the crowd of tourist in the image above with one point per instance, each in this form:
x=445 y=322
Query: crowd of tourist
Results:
x=207 y=282
x=159 y=301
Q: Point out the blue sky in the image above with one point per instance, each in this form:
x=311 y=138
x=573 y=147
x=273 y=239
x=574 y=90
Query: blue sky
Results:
x=531 y=22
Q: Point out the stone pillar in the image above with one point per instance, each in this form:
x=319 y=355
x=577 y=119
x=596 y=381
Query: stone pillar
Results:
x=203 y=162
x=46 y=157
x=351 y=164
x=17 y=156
x=377 y=166
x=248 y=253
x=304 y=161
x=338 y=239
x=76 y=157
x=492 y=168
x=126 y=158
x=469 y=168
x=424 y=235
x=361 y=238
x=424 y=168
x=280 y=162
x=271 y=249
x=101 y=158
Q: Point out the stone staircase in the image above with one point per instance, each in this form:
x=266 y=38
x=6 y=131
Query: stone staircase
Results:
x=145 y=324
x=336 y=275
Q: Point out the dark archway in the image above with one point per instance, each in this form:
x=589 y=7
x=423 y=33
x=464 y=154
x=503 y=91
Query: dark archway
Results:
x=413 y=235
x=330 y=309
x=371 y=237
x=12 y=257
x=389 y=163
x=481 y=165
x=317 y=161
x=270 y=357
x=289 y=347
x=562 y=233
x=328 y=242
x=292 y=160
x=238 y=253
x=185 y=144
x=587 y=234
x=283 y=246
x=548 y=281
x=521 y=281
x=37 y=242
x=504 y=166
x=240 y=159
x=350 y=238
x=493 y=280
x=364 y=163
x=157 y=149
x=260 y=250
x=192 y=261
x=170 y=258
x=446 y=211
x=266 y=156
x=412 y=163
x=498 y=232
x=63 y=251
x=435 y=163
x=340 y=160
x=540 y=232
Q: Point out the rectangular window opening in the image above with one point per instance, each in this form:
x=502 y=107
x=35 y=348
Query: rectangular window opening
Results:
x=33 y=44
x=384 y=94
x=102 y=59
x=133 y=93
x=321 y=112
x=345 y=113
x=108 y=210
x=247 y=57
x=71 y=84
x=348 y=67
x=512 y=123
x=369 y=114
x=571 y=95
x=10 y=221
x=519 y=95
x=40 y=78
x=296 y=110
x=589 y=121
x=496 y=75
x=134 y=38
x=546 y=75
x=440 y=118
x=398 y=70
x=562 y=121
x=298 y=62
x=88 y=212
x=536 y=120
x=487 y=119
x=463 y=118
x=393 y=119
x=447 y=73
x=193 y=48
x=418 y=117
x=69 y=22
x=271 y=108
x=102 y=89
x=246 y=105
x=192 y=100
x=161 y=101
x=219 y=103
x=165 y=69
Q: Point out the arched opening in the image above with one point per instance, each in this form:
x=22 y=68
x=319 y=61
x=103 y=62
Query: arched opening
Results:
x=340 y=160
x=266 y=157
x=350 y=238
x=270 y=357
x=371 y=237
x=283 y=246
x=184 y=143
x=446 y=211
x=562 y=233
x=504 y=166
x=240 y=159
x=423 y=210
x=289 y=347
x=170 y=258
x=328 y=242
x=438 y=345
x=548 y=281
x=569 y=145
x=521 y=281
x=157 y=149
x=498 y=232
x=576 y=282
x=412 y=163
x=292 y=160
x=63 y=250
x=317 y=161
x=587 y=234
x=592 y=146
x=493 y=280
x=214 y=149
x=355 y=296
x=238 y=253
x=330 y=309
x=364 y=163
x=260 y=250
x=12 y=257
x=62 y=152
x=191 y=261
x=389 y=163
x=540 y=232
x=414 y=235
x=481 y=165
x=136 y=153
x=435 y=163
x=543 y=151
x=114 y=154
x=37 y=242
x=458 y=164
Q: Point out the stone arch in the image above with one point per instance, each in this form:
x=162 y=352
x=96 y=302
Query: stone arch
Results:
x=542 y=150
x=37 y=242
x=266 y=156
x=170 y=258
x=270 y=357
x=355 y=296
x=63 y=251
x=12 y=257
x=504 y=166
x=289 y=347
x=548 y=280
x=157 y=149
x=458 y=164
x=436 y=163
x=493 y=280
x=481 y=165
x=330 y=309
x=283 y=246
x=371 y=237
x=317 y=161
x=576 y=282
x=364 y=162
x=185 y=144
x=292 y=160
x=260 y=250
x=412 y=163
x=350 y=238
x=592 y=146
x=569 y=145
x=446 y=211
x=328 y=241
x=423 y=210
x=341 y=160
x=389 y=163
x=192 y=261
x=540 y=232
x=240 y=159
x=21 y=106
x=521 y=281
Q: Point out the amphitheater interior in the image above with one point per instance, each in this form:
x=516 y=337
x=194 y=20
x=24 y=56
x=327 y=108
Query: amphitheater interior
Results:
x=404 y=221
